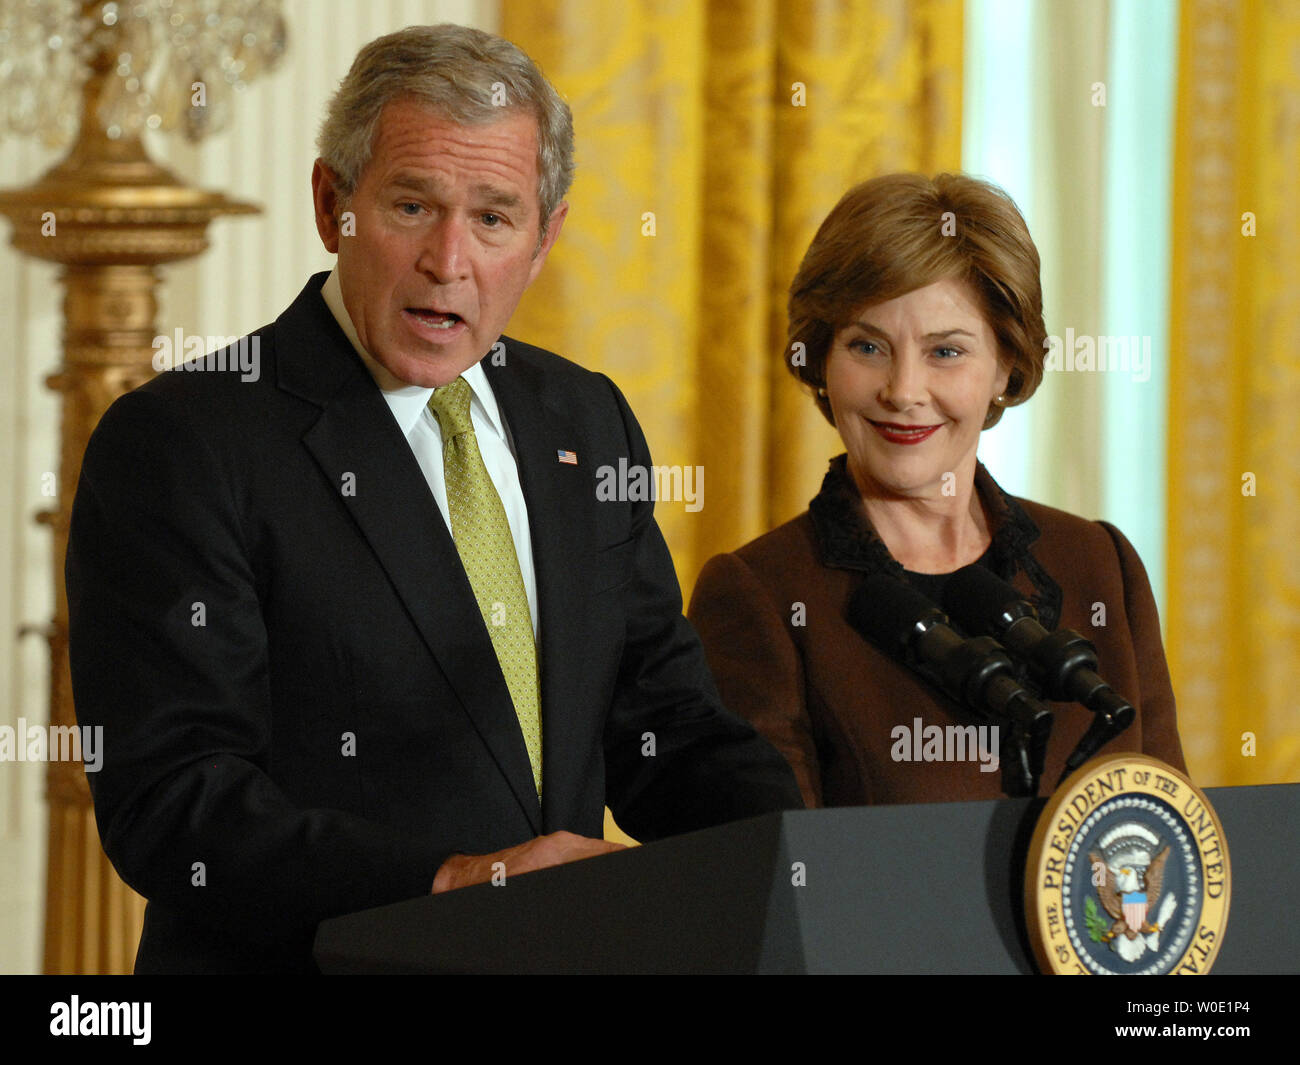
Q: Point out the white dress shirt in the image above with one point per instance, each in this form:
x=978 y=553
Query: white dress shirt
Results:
x=409 y=405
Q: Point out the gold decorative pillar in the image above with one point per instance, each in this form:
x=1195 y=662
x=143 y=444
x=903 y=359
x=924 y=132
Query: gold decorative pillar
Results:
x=111 y=216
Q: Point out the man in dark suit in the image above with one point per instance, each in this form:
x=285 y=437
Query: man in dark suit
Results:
x=288 y=589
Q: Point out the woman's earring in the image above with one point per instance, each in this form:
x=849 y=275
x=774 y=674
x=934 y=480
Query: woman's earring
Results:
x=822 y=392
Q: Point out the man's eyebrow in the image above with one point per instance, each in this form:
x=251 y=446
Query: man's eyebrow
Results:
x=497 y=197
x=410 y=181
x=490 y=195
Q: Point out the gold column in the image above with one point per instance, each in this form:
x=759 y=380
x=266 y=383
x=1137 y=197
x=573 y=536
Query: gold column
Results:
x=111 y=216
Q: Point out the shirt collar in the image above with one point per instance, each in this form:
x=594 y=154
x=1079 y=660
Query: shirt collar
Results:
x=406 y=401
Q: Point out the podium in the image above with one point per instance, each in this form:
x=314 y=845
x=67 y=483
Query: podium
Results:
x=935 y=888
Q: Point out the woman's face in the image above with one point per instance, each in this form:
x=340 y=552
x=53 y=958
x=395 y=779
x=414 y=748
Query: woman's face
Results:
x=909 y=382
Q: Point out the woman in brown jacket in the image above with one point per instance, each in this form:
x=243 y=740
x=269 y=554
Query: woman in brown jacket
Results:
x=918 y=312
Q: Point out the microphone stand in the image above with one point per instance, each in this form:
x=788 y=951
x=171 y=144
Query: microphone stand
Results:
x=1063 y=663
x=980 y=675
x=977 y=672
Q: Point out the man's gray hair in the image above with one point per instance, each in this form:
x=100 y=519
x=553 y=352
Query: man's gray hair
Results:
x=467 y=75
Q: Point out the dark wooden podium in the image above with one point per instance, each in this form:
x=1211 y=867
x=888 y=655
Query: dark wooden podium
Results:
x=892 y=889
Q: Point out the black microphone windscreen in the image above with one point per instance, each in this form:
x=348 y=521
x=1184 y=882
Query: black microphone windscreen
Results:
x=886 y=610
x=975 y=597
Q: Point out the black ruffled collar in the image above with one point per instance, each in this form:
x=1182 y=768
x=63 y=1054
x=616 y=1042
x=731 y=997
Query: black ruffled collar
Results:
x=848 y=541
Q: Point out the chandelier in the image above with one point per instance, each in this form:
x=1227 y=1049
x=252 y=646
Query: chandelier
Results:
x=169 y=65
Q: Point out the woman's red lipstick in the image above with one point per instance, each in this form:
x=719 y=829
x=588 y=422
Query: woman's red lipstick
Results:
x=905 y=434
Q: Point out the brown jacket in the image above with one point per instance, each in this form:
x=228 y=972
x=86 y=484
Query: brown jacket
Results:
x=773 y=618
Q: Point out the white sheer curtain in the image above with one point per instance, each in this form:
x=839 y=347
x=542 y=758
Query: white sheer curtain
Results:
x=1069 y=107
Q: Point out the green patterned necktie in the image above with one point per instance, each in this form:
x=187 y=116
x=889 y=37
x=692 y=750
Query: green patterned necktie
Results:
x=487 y=550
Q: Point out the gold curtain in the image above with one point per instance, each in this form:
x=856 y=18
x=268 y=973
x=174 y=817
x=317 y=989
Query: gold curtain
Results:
x=712 y=138
x=1234 y=468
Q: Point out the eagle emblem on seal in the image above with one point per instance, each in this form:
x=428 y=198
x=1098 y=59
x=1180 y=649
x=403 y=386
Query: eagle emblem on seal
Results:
x=1131 y=864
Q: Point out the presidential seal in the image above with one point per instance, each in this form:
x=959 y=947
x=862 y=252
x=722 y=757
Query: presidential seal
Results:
x=1127 y=873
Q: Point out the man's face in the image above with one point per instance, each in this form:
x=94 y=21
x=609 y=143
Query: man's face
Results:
x=446 y=220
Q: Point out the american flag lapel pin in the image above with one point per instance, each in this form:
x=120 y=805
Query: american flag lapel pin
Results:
x=569 y=458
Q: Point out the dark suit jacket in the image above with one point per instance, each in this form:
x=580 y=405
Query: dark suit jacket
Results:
x=829 y=700
x=303 y=714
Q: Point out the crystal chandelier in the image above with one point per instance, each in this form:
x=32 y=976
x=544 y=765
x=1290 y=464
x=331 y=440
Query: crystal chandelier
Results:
x=174 y=65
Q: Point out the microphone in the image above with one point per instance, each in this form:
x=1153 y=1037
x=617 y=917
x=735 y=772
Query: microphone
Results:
x=1062 y=663
x=977 y=673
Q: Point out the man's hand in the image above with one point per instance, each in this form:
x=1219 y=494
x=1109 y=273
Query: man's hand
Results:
x=462 y=870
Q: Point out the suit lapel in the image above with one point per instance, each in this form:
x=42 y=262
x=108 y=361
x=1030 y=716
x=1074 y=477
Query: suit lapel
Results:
x=555 y=493
x=362 y=452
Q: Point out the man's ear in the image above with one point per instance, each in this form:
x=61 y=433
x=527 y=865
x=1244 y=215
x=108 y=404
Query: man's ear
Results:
x=553 y=226
x=324 y=192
